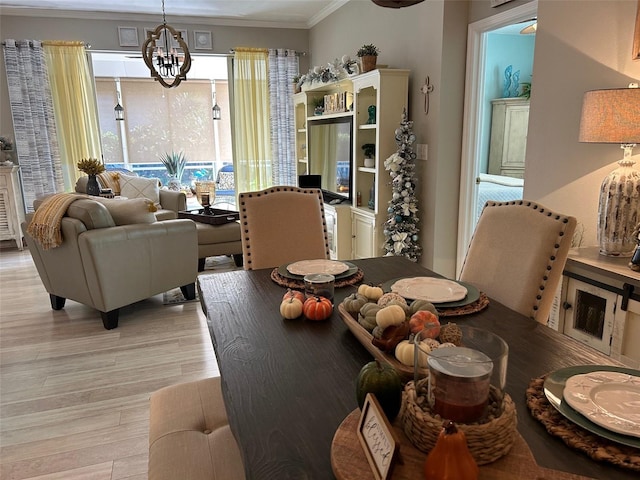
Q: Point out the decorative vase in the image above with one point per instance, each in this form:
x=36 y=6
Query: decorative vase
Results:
x=368 y=63
x=174 y=183
x=93 y=187
x=369 y=162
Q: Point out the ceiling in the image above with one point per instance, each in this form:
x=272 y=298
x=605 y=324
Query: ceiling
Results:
x=269 y=13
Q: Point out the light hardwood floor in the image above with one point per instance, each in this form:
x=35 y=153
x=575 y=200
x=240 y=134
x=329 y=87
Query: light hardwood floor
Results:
x=74 y=397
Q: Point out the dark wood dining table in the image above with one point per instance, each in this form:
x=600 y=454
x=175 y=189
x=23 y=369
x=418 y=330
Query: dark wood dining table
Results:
x=288 y=384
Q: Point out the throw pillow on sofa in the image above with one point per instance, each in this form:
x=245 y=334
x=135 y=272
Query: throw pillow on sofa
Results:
x=129 y=211
x=140 y=187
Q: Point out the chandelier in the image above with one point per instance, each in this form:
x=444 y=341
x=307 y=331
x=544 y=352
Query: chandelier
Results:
x=166 y=54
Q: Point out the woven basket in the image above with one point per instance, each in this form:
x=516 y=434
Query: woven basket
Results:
x=487 y=441
x=206 y=187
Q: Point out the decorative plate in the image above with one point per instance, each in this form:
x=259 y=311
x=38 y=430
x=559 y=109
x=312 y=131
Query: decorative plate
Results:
x=307 y=267
x=434 y=290
x=554 y=387
x=353 y=269
x=609 y=399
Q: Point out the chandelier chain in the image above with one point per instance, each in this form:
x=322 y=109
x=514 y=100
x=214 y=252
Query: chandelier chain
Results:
x=164 y=17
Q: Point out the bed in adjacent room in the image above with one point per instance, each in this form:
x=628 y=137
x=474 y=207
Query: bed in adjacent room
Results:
x=497 y=188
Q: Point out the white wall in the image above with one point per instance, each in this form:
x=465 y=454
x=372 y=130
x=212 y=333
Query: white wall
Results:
x=580 y=46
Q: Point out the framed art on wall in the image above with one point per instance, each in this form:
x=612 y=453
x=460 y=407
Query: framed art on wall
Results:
x=202 y=40
x=636 y=35
x=128 y=36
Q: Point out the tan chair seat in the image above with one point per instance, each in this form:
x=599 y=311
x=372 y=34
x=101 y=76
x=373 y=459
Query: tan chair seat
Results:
x=189 y=434
x=227 y=232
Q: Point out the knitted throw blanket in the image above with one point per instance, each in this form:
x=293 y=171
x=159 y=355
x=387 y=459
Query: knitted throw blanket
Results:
x=45 y=225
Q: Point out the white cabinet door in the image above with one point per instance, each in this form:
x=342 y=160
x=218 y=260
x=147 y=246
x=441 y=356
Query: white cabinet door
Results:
x=363 y=228
x=626 y=335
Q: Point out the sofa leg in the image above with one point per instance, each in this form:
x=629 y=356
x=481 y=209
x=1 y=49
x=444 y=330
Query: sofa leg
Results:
x=201 y=264
x=57 y=303
x=189 y=291
x=237 y=259
x=110 y=319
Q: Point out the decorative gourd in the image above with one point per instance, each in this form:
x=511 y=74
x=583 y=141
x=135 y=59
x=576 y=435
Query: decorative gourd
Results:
x=317 y=308
x=450 y=457
x=418 y=305
x=403 y=304
x=291 y=308
x=383 y=381
x=371 y=292
x=391 y=315
x=384 y=300
x=353 y=303
x=367 y=316
x=294 y=294
x=427 y=321
x=405 y=353
x=391 y=336
x=377 y=333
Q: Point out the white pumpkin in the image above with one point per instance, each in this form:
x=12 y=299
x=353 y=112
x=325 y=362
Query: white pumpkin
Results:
x=390 y=316
x=405 y=353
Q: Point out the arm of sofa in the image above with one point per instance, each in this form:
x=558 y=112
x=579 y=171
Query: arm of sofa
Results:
x=129 y=263
x=172 y=200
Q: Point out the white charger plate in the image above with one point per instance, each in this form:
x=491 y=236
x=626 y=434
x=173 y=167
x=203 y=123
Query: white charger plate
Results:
x=434 y=290
x=608 y=399
x=308 y=267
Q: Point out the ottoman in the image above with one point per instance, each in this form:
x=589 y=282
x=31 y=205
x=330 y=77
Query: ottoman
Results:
x=216 y=240
x=189 y=434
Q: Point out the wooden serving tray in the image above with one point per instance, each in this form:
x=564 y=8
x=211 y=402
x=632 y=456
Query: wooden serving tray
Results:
x=364 y=337
x=216 y=216
x=349 y=462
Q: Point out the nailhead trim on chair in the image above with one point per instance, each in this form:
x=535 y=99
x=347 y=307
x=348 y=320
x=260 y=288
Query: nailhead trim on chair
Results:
x=552 y=259
x=267 y=191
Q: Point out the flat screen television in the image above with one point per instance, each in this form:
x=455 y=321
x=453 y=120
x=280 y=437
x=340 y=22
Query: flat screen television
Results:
x=330 y=155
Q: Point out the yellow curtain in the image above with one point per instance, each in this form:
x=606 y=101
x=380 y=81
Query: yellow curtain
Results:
x=74 y=106
x=252 y=134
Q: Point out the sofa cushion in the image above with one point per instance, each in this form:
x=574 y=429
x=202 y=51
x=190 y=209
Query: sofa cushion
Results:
x=140 y=187
x=129 y=211
x=92 y=214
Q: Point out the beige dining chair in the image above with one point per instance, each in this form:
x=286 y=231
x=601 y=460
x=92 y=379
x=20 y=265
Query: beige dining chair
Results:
x=517 y=254
x=282 y=225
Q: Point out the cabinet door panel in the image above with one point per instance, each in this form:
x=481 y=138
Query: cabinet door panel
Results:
x=626 y=336
x=363 y=236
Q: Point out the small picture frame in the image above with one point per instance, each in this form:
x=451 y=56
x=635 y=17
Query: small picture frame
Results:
x=128 y=37
x=202 y=40
x=377 y=438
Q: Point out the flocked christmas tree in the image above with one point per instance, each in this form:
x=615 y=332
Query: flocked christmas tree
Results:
x=401 y=227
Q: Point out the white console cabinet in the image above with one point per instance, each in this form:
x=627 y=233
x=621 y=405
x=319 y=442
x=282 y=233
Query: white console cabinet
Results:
x=11 y=205
x=363 y=229
x=599 y=304
x=338 y=221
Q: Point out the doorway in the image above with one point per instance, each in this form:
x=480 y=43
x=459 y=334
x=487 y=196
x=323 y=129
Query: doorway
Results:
x=477 y=117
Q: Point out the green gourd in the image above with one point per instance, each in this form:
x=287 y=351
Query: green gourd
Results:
x=353 y=303
x=381 y=380
x=417 y=305
x=367 y=316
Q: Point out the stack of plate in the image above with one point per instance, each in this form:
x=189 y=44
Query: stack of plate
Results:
x=602 y=399
x=441 y=292
x=297 y=270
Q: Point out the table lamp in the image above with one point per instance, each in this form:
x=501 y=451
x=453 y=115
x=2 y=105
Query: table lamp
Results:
x=613 y=116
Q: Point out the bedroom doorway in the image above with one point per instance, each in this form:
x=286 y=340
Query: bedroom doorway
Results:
x=481 y=80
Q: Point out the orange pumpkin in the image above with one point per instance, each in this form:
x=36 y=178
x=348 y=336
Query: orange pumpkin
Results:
x=317 y=308
x=425 y=320
x=450 y=457
x=294 y=294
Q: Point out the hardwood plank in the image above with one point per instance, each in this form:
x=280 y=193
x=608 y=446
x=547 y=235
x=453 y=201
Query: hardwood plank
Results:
x=74 y=397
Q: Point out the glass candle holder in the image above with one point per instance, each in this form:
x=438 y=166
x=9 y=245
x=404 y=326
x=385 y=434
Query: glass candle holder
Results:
x=319 y=285
x=462 y=380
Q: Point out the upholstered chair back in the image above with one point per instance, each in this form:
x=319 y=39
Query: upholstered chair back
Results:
x=282 y=225
x=517 y=254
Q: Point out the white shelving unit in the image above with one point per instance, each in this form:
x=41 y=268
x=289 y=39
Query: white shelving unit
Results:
x=11 y=205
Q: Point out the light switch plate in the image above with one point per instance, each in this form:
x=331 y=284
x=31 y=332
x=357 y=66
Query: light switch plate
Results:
x=422 y=151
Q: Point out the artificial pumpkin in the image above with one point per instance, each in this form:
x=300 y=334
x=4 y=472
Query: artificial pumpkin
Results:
x=294 y=294
x=381 y=380
x=405 y=353
x=291 y=308
x=353 y=303
x=391 y=336
x=419 y=304
x=367 y=316
x=391 y=315
x=450 y=458
x=387 y=298
x=317 y=308
x=371 y=292
x=427 y=321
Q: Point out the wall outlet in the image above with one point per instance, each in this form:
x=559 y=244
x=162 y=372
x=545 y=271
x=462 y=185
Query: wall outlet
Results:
x=422 y=150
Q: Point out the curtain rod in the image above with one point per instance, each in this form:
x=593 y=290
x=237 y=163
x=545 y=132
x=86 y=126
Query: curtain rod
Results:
x=302 y=54
x=4 y=43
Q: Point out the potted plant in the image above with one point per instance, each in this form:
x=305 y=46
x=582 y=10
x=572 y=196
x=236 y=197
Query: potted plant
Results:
x=175 y=164
x=92 y=167
x=296 y=84
x=318 y=105
x=368 y=55
x=369 y=154
x=6 y=146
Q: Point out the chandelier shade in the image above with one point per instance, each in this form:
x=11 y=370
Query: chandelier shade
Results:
x=166 y=54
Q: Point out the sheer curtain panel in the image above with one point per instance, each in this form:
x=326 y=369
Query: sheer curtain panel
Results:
x=252 y=139
x=74 y=103
x=33 y=119
x=283 y=66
